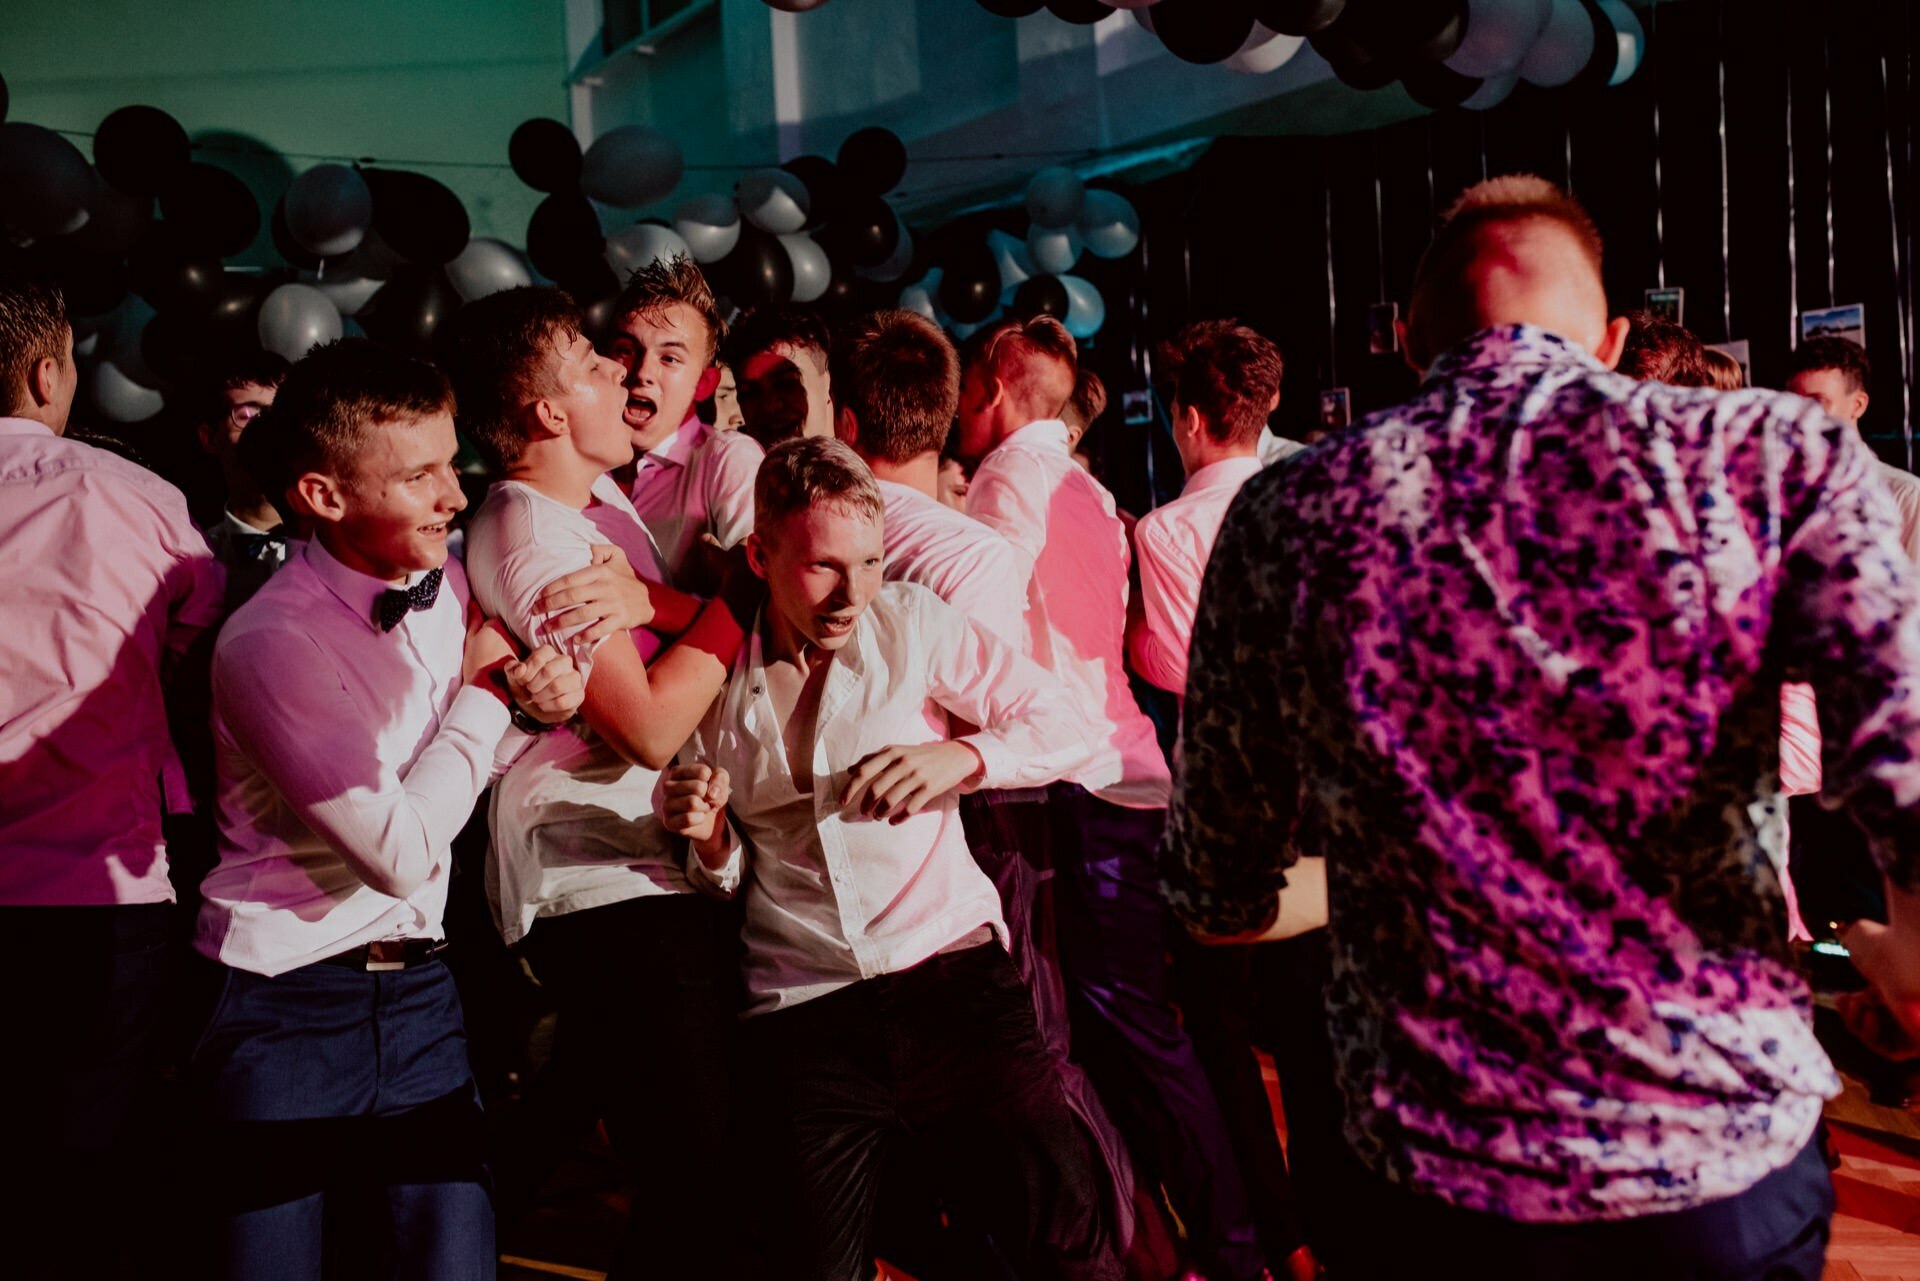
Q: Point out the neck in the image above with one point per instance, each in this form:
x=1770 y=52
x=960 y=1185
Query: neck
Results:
x=921 y=472
x=353 y=559
x=786 y=645
x=1210 y=454
x=41 y=414
x=561 y=475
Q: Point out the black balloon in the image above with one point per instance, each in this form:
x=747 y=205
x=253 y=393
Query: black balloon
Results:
x=290 y=250
x=141 y=150
x=5 y=99
x=211 y=211
x=564 y=236
x=970 y=283
x=1080 y=12
x=1013 y=8
x=183 y=348
x=1606 y=51
x=826 y=189
x=866 y=235
x=873 y=160
x=1297 y=17
x=545 y=154
x=1041 y=296
x=173 y=276
x=1439 y=87
x=418 y=217
x=411 y=309
x=758 y=273
x=92 y=283
x=589 y=282
x=1203 y=30
x=1374 y=41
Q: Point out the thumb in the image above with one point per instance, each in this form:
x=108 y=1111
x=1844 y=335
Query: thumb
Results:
x=603 y=553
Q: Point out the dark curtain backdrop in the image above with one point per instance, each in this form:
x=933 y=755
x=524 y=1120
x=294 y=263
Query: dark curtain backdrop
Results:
x=1245 y=231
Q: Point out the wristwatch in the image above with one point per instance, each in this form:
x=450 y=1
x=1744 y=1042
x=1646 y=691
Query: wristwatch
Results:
x=526 y=723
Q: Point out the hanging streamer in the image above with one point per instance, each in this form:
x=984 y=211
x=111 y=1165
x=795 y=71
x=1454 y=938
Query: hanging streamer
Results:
x=1826 y=90
x=1793 y=231
x=1899 y=267
x=1726 y=250
x=1659 y=191
x=1333 y=302
x=1379 y=235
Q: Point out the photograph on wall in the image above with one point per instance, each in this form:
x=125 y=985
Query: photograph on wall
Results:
x=1336 y=408
x=1849 y=322
x=1383 y=328
x=1668 y=304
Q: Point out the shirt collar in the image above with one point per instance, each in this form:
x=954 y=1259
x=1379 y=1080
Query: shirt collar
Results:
x=355 y=590
x=1228 y=473
x=23 y=427
x=234 y=525
x=678 y=448
x=1509 y=347
x=890 y=490
x=1045 y=433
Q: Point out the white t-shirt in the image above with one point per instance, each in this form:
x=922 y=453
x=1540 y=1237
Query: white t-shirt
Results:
x=573 y=822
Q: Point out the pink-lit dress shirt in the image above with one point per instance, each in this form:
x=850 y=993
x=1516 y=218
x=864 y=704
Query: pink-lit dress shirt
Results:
x=342 y=751
x=1172 y=543
x=105 y=580
x=1063 y=524
x=959 y=559
x=833 y=897
x=696 y=481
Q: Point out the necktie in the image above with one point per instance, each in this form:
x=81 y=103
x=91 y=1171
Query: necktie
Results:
x=395 y=603
x=263 y=548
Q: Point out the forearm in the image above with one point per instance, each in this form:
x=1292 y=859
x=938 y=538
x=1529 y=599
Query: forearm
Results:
x=673 y=611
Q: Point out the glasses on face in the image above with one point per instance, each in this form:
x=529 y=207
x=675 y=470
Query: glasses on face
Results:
x=241 y=415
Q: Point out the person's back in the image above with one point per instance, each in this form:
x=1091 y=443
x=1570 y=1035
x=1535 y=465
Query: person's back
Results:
x=1527 y=634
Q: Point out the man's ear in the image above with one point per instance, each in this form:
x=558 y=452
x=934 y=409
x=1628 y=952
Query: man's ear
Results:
x=846 y=427
x=1613 y=345
x=544 y=420
x=709 y=379
x=319 y=496
x=1858 y=402
x=43 y=380
x=756 y=554
x=1188 y=425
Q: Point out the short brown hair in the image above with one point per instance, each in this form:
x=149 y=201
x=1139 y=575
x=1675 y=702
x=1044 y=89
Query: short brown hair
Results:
x=1034 y=355
x=813 y=471
x=1727 y=373
x=505 y=359
x=1226 y=371
x=1842 y=355
x=33 y=328
x=666 y=281
x=900 y=376
x=767 y=327
x=331 y=400
x=1089 y=398
x=242 y=369
x=1659 y=351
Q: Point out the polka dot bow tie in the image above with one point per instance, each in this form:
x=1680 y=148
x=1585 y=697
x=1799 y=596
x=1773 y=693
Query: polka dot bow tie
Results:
x=395 y=603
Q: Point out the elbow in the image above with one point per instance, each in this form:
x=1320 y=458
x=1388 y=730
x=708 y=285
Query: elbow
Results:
x=394 y=882
x=645 y=751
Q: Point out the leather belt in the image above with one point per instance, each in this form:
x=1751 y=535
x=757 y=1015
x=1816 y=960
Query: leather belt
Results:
x=388 y=954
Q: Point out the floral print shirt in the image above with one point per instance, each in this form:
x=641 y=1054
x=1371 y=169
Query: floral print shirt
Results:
x=1510 y=656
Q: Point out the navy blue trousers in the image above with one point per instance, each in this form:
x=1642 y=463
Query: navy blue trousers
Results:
x=343 y=1133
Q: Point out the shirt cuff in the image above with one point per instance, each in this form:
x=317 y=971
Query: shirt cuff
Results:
x=484 y=716
x=1001 y=764
x=722 y=882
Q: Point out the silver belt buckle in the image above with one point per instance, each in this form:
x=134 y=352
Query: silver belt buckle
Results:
x=386 y=954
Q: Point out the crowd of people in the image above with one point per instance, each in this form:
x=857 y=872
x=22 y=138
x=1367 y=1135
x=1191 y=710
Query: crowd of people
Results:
x=796 y=668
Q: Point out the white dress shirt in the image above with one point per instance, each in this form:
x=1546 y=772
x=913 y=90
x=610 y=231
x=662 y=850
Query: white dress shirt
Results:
x=1172 y=543
x=1063 y=524
x=696 y=481
x=963 y=562
x=339 y=745
x=832 y=897
x=573 y=821
x=1906 y=496
x=1276 y=449
x=105 y=580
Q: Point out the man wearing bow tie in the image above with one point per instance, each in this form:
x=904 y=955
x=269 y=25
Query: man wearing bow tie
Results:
x=360 y=706
x=249 y=538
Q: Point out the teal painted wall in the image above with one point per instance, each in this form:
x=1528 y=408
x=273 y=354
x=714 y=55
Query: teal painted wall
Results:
x=402 y=81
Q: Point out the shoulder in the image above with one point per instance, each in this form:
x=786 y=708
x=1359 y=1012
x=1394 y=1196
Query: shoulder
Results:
x=515 y=525
x=282 y=618
x=139 y=493
x=730 y=449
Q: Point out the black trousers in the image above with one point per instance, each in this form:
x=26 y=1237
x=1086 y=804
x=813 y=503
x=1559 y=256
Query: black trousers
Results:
x=82 y=993
x=647 y=992
x=946 y=1053
x=1774 y=1231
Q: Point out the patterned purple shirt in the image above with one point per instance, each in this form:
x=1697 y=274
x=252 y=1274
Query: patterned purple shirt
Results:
x=1510 y=656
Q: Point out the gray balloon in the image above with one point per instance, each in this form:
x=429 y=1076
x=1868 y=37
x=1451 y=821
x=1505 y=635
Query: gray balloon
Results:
x=1054 y=197
x=641 y=245
x=44 y=182
x=295 y=319
x=773 y=200
x=119 y=397
x=710 y=224
x=329 y=209
x=631 y=166
x=1109 y=225
x=349 y=294
x=1054 y=249
x=812 y=273
x=486 y=266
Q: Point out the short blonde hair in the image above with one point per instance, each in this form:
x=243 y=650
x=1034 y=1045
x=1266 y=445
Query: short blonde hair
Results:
x=814 y=471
